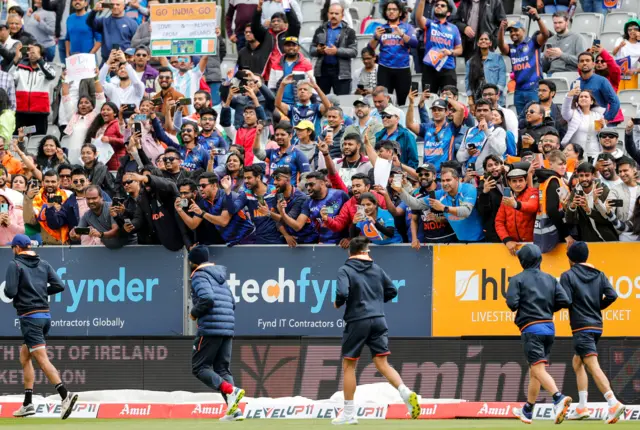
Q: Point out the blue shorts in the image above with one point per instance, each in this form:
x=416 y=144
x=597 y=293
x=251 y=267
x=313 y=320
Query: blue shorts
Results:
x=34 y=331
x=537 y=347
x=585 y=344
x=372 y=332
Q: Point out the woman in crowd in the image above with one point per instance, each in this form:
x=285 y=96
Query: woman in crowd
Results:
x=628 y=46
x=498 y=120
x=394 y=71
x=234 y=168
x=385 y=231
x=19 y=183
x=583 y=122
x=7 y=117
x=82 y=116
x=365 y=79
x=11 y=220
x=485 y=67
x=29 y=169
x=97 y=172
x=307 y=142
x=50 y=154
x=105 y=127
x=574 y=151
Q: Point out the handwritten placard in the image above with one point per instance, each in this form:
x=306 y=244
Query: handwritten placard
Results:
x=81 y=66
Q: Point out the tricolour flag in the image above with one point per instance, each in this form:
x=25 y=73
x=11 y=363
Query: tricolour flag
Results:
x=160 y=47
x=206 y=46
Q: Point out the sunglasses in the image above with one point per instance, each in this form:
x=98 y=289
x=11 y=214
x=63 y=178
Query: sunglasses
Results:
x=65 y=176
x=79 y=181
x=531 y=111
x=169 y=159
x=126 y=182
x=608 y=136
x=183 y=60
x=599 y=62
x=188 y=130
x=385 y=116
x=141 y=55
x=202 y=185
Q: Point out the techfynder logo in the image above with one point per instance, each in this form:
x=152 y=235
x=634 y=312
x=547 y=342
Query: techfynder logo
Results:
x=316 y=292
x=467 y=285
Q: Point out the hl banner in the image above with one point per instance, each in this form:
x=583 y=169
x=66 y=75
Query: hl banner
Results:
x=470 y=285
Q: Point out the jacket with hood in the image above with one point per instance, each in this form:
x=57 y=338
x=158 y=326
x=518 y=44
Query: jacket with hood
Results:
x=33 y=86
x=516 y=224
x=408 y=145
x=535 y=131
x=364 y=287
x=589 y=291
x=552 y=201
x=212 y=72
x=488 y=206
x=571 y=44
x=272 y=41
x=16 y=222
x=30 y=282
x=213 y=303
x=491 y=13
x=533 y=294
x=344 y=218
x=593 y=226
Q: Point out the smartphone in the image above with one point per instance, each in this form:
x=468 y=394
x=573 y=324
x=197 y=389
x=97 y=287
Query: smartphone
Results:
x=388 y=30
x=547 y=46
x=636 y=121
x=280 y=197
x=432 y=195
x=184 y=203
x=31 y=129
x=330 y=210
x=579 y=193
x=139 y=117
x=34 y=183
x=471 y=166
x=24 y=50
x=596 y=42
x=115 y=46
x=184 y=102
x=157 y=102
x=4 y=208
x=127 y=221
x=426 y=87
x=109 y=5
x=137 y=128
x=414 y=86
x=130 y=107
x=471 y=146
x=616 y=203
x=82 y=231
x=299 y=77
x=397 y=180
x=576 y=84
x=260 y=199
x=525 y=9
x=56 y=199
x=507 y=192
x=360 y=87
x=117 y=201
x=360 y=210
x=218 y=151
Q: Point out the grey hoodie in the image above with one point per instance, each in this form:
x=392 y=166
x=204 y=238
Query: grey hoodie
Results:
x=571 y=45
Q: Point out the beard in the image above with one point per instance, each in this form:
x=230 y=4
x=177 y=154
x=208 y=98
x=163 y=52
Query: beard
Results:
x=440 y=15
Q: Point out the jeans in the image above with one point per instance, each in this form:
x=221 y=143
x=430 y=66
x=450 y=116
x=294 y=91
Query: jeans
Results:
x=49 y=53
x=241 y=41
x=551 y=9
x=215 y=92
x=62 y=51
x=522 y=97
x=593 y=6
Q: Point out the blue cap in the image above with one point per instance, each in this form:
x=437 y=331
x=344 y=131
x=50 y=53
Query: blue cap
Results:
x=515 y=24
x=130 y=51
x=21 y=241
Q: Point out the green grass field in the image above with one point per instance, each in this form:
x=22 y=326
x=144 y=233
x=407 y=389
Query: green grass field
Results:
x=131 y=424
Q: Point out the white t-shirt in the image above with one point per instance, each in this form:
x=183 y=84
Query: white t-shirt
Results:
x=629 y=50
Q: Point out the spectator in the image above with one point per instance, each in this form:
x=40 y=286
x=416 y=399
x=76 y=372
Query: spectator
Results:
x=607 y=67
x=536 y=125
x=549 y=142
x=96 y=171
x=397 y=133
x=82 y=115
x=584 y=123
x=629 y=141
x=254 y=55
x=498 y=120
x=293 y=64
x=546 y=93
x=627 y=47
x=193 y=155
x=272 y=7
x=14 y=195
x=128 y=89
x=156 y=221
x=351 y=159
x=381 y=99
x=245 y=136
x=562 y=49
x=550 y=227
x=137 y=10
x=517 y=214
x=473 y=24
x=201 y=101
x=291 y=202
x=173 y=163
x=204 y=233
x=11 y=219
x=609 y=143
x=80 y=38
x=482 y=140
x=142 y=36
x=484 y=67
x=304 y=108
x=35 y=204
x=50 y=154
x=628 y=191
x=490 y=194
x=42 y=25
x=186 y=77
x=492 y=93
x=242 y=11
x=64 y=173
x=209 y=138
x=134 y=159
x=394 y=71
x=573 y=151
x=17 y=31
x=600 y=87
x=251 y=92
x=8 y=47
x=437 y=134
x=7 y=107
x=146 y=74
x=105 y=128
x=168 y=95
x=281 y=25
x=365 y=79
x=585 y=211
x=18 y=184
x=34 y=82
x=457 y=201
x=286 y=154
x=307 y=142
x=606 y=167
x=333 y=133
x=524 y=57
x=115 y=29
x=334 y=44
x=234 y=169
x=7 y=161
x=365 y=122
x=375 y=223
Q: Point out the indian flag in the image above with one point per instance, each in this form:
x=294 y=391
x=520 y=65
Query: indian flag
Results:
x=160 y=47
x=206 y=46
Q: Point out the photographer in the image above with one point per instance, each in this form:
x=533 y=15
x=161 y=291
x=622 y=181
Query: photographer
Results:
x=204 y=233
x=127 y=88
x=623 y=197
x=250 y=91
x=37 y=201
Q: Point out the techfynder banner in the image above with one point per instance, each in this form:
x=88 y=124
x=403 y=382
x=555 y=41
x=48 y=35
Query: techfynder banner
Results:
x=133 y=291
x=282 y=291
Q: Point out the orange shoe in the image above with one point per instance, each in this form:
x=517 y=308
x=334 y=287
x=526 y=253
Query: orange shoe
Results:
x=615 y=412
x=578 y=414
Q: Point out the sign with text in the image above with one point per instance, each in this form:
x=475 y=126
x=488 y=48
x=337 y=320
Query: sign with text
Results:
x=183 y=29
x=470 y=284
x=286 y=292
x=108 y=292
x=81 y=66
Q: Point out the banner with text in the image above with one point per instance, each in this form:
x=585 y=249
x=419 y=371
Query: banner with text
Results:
x=108 y=292
x=282 y=291
x=183 y=29
x=470 y=285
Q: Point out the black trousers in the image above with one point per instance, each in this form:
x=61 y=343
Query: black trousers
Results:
x=437 y=80
x=398 y=80
x=211 y=360
x=40 y=120
x=329 y=80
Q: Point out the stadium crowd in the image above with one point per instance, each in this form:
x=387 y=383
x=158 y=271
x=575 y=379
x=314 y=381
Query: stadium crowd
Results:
x=431 y=122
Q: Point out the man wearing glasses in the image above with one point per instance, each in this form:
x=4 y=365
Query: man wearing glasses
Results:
x=491 y=92
x=167 y=91
x=145 y=72
x=186 y=77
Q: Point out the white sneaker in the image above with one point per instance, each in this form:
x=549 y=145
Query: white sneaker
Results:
x=412 y=405
x=561 y=408
x=524 y=417
x=235 y=417
x=233 y=400
x=578 y=414
x=67 y=405
x=25 y=411
x=615 y=412
x=343 y=420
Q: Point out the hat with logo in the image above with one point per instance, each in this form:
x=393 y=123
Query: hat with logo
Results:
x=428 y=167
x=516 y=25
x=392 y=110
x=442 y=104
x=21 y=241
x=291 y=39
x=305 y=124
x=362 y=101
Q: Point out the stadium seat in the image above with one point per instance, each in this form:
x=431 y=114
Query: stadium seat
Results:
x=461 y=65
x=546 y=18
x=562 y=84
x=569 y=76
x=460 y=77
x=53 y=130
x=347 y=110
x=629 y=6
x=614 y=21
x=587 y=21
x=608 y=40
x=311 y=10
x=629 y=96
x=589 y=38
x=33 y=142
x=559 y=97
x=348 y=99
x=363 y=41
x=513 y=109
x=510 y=99
x=629 y=110
x=232 y=52
x=356 y=64
x=363 y=8
x=64 y=142
x=309 y=28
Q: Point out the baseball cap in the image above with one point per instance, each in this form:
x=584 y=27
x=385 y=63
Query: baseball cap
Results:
x=21 y=241
x=396 y=169
x=608 y=132
x=362 y=101
x=305 y=125
x=130 y=51
x=392 y=110
x=515 y=24
x=291 y=39
x=516 y=173
x=440 y=104
x=428 y=167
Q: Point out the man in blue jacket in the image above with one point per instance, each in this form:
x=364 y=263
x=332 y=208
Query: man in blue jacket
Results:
x=589 y=291
x=364 y=287
x=600 y=87
x=116 y=29
x=213 y=308
x=535 y=296
x=394 y=131
x=29 y=282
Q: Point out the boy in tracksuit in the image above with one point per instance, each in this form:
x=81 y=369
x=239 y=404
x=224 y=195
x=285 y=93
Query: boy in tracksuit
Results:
x=364 y=287
x=536 y=296
x=589 y=291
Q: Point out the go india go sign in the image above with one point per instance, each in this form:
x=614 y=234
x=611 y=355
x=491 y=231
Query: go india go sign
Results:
x=183 y=29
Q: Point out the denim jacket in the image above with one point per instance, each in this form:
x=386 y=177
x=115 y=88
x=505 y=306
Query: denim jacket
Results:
x=495 y=72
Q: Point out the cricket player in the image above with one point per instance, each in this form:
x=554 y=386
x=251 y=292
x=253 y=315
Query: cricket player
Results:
x=364 y=287
x=29 y=282
x=535 y=296
x=589 y=291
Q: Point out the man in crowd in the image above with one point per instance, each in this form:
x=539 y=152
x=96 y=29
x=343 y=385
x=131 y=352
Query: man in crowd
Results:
x=80 y=38
x=242 y=11
x=381 y=99
x=64 y=173
x=335 y=45
x=628 y=192
x=291 y=202
x=17 y=31
x=303 y=108
x=490 y=195
x=492 y=93
x=364 y=121
x=8 y=47
x=245 y=136
x=35 y=204
x=144 y=71
x=606 y=167
x=546 y=93
x=193 y=155
x=186 y=77
x=352 y=159
x=127 y=89
x=397 y=133
x=115 y=29
x=482 y=140
x=294 y=65
x=472 y=23
x=333 y=133
x=600 y=87
x=286 y=154
x=204 y=233
x=168 y=94
x=41 y=24
x=609 y=141
x=536 y=125
x=254 y=55
x=562 y=49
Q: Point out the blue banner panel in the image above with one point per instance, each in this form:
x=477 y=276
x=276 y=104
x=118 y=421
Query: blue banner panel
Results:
x=290 y=292
x=133 y=291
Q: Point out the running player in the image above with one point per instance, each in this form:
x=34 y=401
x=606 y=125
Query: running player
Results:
x=364 y=287
x=589 y=291
x=535 y=296
x=29 y=283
